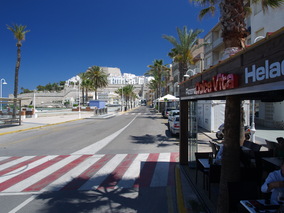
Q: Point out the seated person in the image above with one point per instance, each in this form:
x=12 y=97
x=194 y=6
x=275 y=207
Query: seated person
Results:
x=219 y=154
x=274 y=183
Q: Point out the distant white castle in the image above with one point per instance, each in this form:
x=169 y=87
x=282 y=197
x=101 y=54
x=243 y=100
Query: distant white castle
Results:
x=115 y=77
x=71 y=92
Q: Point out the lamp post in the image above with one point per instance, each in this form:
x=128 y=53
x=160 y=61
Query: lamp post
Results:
x=35 y=115
x=2 y=81
x=79 y=111
x=122 y=99
x=253 y=130
x=187 y=75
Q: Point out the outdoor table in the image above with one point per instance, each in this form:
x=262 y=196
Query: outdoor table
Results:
x=205 y=162
x=255 y=206
x=246 y=149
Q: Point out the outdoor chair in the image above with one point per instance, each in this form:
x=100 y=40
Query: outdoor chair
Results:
x=213 y=176
x=248 y=144
x=271 y=145
x=199 y=167
x=253 y=147
x=214 y=148
x=261 y=171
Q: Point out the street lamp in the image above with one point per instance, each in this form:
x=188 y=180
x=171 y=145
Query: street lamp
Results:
x=79 y=111
x=35 y=115
x=187 y=75
x=2 y=81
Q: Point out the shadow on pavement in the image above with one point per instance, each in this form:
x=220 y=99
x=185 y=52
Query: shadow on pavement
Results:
x=109 y=197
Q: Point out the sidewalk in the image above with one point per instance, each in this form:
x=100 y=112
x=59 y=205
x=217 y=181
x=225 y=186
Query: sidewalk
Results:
x=49 y=119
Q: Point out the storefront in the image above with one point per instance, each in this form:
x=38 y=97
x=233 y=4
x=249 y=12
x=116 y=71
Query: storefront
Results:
x=256 y=73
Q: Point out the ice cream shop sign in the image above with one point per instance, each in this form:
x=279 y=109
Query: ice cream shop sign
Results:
x=269 y=70
x=218 y=83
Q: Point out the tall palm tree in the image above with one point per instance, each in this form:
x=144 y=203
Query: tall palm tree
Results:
x=184 y=45
x=232 y=18
x=153 y=86
x=119 y=91
x=128 y=92
x=19 y=32
x=98 y=78
x=159 y=71
x=83 y=85
x=233 y=13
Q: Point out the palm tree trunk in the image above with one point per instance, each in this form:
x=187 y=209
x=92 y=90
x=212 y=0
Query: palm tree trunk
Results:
x=87 y=95
x=230 y=171
x=233 y=29
x=83 y=98
x=182 y=70
x=17 y=68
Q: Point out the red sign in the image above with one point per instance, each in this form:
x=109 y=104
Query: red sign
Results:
x=218 y=83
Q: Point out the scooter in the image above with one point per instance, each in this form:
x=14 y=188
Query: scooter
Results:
x=220 y=132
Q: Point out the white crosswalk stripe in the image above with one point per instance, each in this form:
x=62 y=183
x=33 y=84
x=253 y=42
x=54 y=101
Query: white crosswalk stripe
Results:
x=84 y=172
x=141 y=114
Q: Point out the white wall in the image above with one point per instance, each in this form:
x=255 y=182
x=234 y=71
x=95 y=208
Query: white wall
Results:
x=278 y=111
x=270 y=21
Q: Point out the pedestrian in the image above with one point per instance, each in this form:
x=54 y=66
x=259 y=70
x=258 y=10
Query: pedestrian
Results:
x=274 y=183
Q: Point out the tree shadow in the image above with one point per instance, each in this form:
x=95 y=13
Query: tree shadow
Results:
x=150 y=139
x=109 y=196
x=101 y=199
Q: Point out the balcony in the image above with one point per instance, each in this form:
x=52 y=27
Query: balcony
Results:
x=216 y=43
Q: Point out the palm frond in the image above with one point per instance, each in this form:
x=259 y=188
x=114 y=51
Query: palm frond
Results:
x=209 y=10
x=19 y=31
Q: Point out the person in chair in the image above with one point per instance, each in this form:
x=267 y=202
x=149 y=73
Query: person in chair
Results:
x=274 y=183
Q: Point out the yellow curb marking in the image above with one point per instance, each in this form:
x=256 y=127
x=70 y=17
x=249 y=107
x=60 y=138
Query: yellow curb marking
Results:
x=180 y=201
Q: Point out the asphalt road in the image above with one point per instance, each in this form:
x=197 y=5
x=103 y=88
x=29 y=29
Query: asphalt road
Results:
x=121 y=164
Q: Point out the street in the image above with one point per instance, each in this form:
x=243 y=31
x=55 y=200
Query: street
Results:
x=121 y=164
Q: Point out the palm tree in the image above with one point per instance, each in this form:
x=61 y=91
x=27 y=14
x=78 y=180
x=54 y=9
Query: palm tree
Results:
x=233 y=33
x=160 y=72
x=128 y=92
x=234 y=29
x=84 y=78
x=153 y=85
x=19 y=32
x=120 y=93
x=184 y=45
x=97 y=77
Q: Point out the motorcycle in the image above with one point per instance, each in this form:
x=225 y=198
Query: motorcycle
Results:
x=220 y=132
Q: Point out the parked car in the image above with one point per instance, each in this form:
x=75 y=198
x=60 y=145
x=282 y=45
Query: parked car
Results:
x=174 y=125
x=172 y=113
x=166 y=112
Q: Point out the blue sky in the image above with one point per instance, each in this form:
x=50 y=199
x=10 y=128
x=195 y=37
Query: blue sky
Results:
x=68 y=36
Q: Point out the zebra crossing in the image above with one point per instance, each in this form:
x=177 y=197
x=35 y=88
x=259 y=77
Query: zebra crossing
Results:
x=145 y=114
x=85 y=172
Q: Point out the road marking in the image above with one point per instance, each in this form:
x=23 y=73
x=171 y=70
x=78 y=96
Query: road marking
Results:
x=103 y=173
x=19 y=207
x=95 y=147
x=88 y=172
